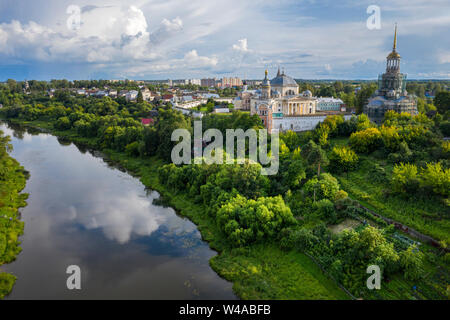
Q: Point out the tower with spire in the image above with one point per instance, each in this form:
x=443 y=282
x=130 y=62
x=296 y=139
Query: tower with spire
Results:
x=391 y=93
x=266 y=88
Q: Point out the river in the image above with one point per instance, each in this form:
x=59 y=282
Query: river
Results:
x=85 y=212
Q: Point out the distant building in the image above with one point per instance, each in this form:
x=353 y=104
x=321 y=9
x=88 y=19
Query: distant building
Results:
x=391 y=93
x=281 y=107
x=147 y=122
x=131 y=95
x=221 y=109
x=210 y=82
x=211 y=95
x=230 y=82
x=329 y=104
x=113 y=93
x=146 y=94
x=197 y=82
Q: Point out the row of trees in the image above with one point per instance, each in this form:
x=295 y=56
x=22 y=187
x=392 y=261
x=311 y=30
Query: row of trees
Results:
x=407 y=178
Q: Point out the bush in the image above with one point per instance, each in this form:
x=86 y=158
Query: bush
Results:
x=245 y=221
x=411 y=261
x=63 y=123
x=326 y=186
x=405 y=178
x=326 y=211
x=445 y=128
x=436 y=178
x=366 y=141
x=343 y=159
x=132 y=149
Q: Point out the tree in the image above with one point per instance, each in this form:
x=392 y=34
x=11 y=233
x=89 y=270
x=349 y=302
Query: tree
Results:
x=326 y=186
x=363 y=96
x=405 y=178
x=436 y=178
x=411 y=261
x=317 y=157
x=245 y=221
x=442 y=101
x=343 y=159
x=169 y=120
x=140 y=98
x=366 y=141
x=63 y=123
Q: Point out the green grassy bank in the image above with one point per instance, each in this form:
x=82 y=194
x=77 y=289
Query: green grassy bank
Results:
x=12 y=182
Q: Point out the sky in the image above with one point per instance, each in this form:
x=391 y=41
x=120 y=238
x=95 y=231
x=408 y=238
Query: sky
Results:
x=181 y=39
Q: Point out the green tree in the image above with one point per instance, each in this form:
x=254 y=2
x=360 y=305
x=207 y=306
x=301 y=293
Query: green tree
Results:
x=363 y=96
x=442 y=101
x=343 y=159
x=411 y=261
x=140 y=98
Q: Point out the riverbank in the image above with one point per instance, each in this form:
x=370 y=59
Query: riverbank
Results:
x=12 y=181
x=257 y=272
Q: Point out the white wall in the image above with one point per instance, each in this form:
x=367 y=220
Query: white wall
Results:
x=299 y=123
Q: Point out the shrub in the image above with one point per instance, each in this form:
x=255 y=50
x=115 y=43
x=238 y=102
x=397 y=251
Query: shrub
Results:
x=436 y=178
x=132 y=149
x=63 y=123
x=366 y=141
x=405 y=178
x=391 y=138
x=326 y=186
x=343 y=159
x=411 y=261
x=245 y=221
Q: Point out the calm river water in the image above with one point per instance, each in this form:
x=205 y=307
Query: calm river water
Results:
x=81 y=211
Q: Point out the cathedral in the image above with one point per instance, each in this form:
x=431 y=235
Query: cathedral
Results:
x=391 y=93
x=281 y=107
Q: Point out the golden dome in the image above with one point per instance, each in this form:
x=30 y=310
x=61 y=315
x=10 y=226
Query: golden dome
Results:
x=393 y=55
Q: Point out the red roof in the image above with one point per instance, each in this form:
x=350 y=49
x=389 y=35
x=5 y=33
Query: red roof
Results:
x=147 y=121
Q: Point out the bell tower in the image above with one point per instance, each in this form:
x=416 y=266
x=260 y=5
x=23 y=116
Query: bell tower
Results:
x=392 y=83
x=266 y=88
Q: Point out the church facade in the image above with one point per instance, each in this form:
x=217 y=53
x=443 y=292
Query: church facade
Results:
x=391 y=93
x=281 y=107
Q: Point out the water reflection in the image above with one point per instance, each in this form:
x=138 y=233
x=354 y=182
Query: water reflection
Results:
x=81 y=211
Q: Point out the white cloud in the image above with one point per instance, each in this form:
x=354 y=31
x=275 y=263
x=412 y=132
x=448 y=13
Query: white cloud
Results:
x=241 y=45
x=166 y=37
x=193 y=59
x=167 y=29
x=108 y=34
x=120 y=218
